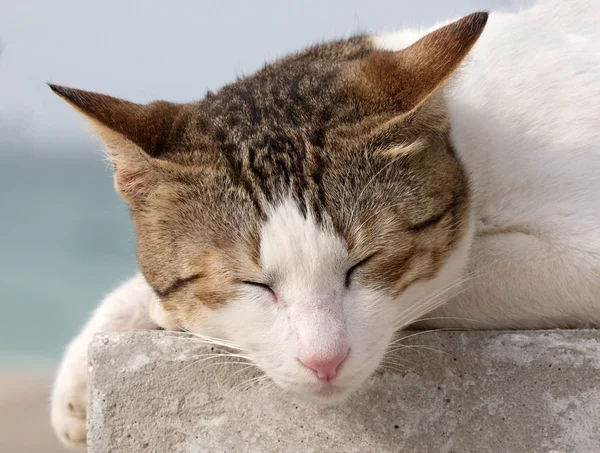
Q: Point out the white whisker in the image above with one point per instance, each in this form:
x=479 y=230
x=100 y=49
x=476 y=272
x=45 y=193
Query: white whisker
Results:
x=415 y=346
x=422 y=307
x=391 y=366
x=421 y=332
x=214 y=341
x=437 y=318
x=247 y=384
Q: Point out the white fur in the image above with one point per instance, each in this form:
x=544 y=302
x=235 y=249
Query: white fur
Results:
x=525 y=119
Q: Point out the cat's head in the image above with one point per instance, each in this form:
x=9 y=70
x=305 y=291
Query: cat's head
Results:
x=303 y=213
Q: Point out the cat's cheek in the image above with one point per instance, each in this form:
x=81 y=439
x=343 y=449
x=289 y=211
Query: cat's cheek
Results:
x=259 y=326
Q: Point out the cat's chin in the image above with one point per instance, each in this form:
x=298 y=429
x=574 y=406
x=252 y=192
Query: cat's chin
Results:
x=326 y=394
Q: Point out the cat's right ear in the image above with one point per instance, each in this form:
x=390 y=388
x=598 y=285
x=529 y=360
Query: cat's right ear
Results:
x=402 y=81
x=136 y=136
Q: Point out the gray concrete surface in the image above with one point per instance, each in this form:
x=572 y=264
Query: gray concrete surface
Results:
x=475 y=392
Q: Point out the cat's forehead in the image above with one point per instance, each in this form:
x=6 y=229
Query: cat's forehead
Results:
x=295 y=97
x=269 y=132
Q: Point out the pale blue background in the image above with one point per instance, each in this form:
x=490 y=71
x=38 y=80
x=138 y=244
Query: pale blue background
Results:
x=65 y=238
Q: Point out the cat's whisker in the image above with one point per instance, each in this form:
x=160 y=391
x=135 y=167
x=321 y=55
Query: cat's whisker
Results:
x=230 y=362
x=396 y=367
x=422 y=332
x=229 y=381
x=431 y=297
x=209 y=338
x=223 y=350
x=224 y=362
x=416 y=314
x=444 y=318
x=214 y=341
x=241 y=370
x=393 y=365
x=417 y=347
x=222 y=353
x=206 y=357
x=397 y=349
x=267 y=386
x=247 y=384
x=417 y=311
x=427 y=305
x=394 y=359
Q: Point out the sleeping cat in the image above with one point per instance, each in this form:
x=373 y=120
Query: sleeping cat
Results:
x=306 y=213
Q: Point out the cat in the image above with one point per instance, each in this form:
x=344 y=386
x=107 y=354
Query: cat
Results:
x=304 y=214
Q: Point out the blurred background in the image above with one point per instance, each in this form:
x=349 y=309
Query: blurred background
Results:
x=65 y=237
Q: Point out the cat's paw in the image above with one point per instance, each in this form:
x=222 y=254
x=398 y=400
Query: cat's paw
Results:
x=69 y=403
x=68 y=412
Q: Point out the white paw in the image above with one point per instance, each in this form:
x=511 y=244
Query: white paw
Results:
x=69 y=402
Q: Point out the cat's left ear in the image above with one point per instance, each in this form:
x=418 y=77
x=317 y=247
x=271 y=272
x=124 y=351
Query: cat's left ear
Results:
x=401 y=81
x=139 y=137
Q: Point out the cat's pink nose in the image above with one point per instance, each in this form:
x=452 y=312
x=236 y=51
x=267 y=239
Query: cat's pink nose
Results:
x=325 y=366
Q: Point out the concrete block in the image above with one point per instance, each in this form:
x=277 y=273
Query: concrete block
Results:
x=458 y=392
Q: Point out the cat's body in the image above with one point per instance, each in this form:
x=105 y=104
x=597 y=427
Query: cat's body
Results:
x=525 y=123
x=525 y=120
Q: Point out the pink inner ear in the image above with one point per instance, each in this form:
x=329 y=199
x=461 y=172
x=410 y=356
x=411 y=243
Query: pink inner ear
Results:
x=125 y=177
x=130 y=182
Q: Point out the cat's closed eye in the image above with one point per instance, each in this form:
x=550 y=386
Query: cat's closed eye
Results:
x=431 y=221
x=353 y=269
x=262 y=286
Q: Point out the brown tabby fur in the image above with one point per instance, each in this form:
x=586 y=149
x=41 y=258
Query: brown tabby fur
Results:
x=357 y=137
